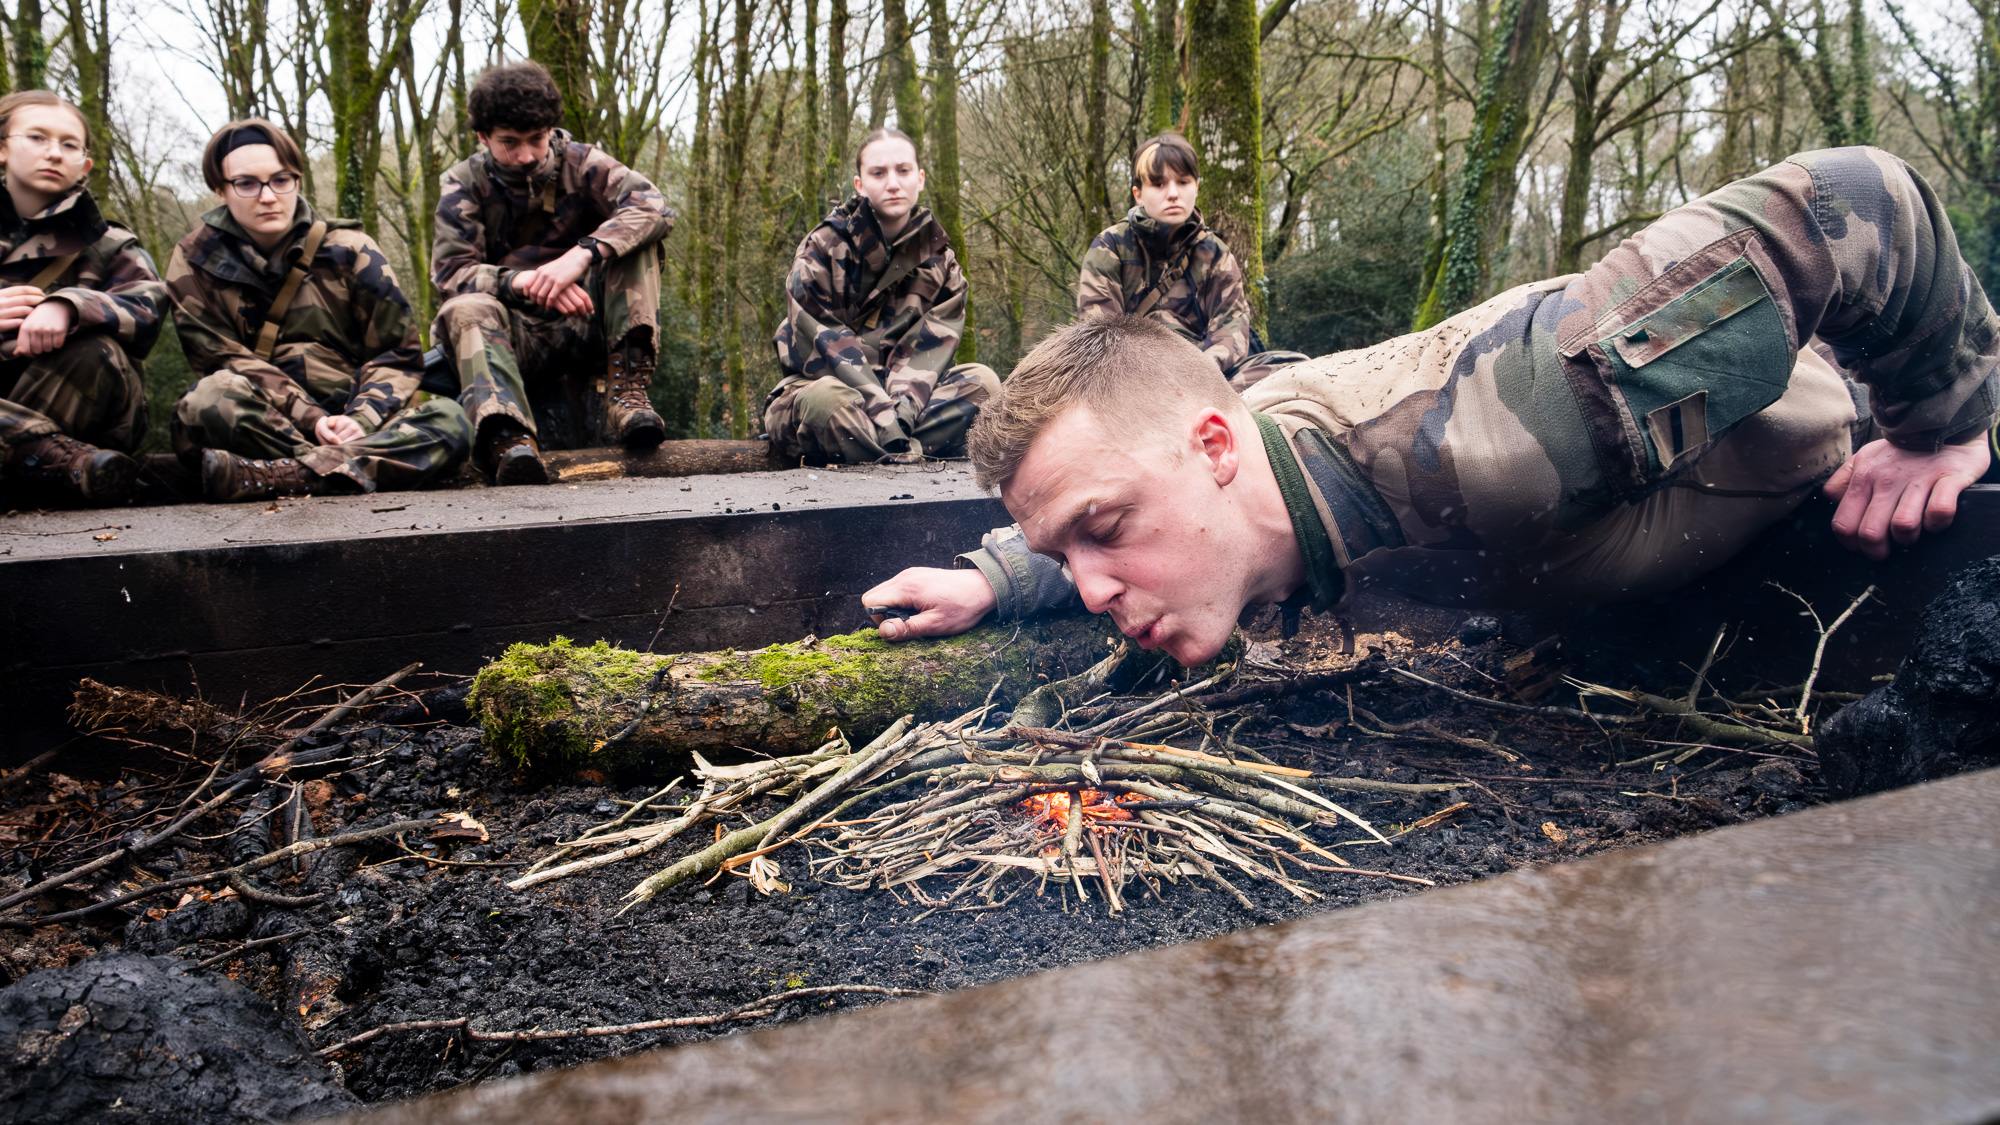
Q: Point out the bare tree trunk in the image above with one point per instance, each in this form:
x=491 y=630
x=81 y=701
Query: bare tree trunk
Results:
x=1476 y=226
x=710 y=398
x=947 y=178
x=1226 y=113
x=735 y=156
x=90 y=53
x=814 y=188
x=899 y=64
x=1162 y=66
x=31 y=49
x=840 y=113
x=558 y=33
x=1096 y=109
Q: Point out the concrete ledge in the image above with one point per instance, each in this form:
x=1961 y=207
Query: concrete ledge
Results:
x=261 y=598
x=1831 y=966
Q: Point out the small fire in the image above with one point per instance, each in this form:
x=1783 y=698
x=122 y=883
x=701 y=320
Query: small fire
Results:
x=1098 y=807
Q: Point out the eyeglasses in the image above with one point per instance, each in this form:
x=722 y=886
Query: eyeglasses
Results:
x=38 y=143
x=250 y=187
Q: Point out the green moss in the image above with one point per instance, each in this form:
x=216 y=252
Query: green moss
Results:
x=528 y=700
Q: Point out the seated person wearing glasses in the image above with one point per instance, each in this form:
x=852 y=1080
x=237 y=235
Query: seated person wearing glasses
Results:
x=80 y=306
x=309 y=356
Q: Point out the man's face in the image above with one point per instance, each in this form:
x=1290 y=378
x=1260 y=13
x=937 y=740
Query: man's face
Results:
x=1150 y=537
x=514 y=148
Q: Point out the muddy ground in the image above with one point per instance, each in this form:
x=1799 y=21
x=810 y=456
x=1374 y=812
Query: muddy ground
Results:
x=410 y=939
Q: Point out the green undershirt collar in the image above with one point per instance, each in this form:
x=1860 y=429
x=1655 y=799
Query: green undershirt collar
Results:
x=1322 y=572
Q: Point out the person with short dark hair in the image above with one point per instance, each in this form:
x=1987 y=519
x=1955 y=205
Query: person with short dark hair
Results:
x=309 y=359
x=547 y=250
x=875 y=308
x=1163 y=262
x=80 y=306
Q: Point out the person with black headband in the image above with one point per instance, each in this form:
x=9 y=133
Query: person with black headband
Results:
x=308 y=353
x=80 y=306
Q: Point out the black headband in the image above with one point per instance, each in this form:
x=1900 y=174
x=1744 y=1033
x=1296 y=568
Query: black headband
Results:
x=243 y=138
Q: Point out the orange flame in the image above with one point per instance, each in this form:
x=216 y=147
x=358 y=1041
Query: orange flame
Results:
x=1098 y=807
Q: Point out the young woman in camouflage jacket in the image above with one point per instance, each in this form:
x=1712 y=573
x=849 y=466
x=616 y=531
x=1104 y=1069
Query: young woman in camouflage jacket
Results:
x=308 y=354
x=1162 y=262
x=80 y=306
x=875 y=308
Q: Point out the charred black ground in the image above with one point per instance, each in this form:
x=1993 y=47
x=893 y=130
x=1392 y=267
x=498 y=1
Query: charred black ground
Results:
x=399 y=938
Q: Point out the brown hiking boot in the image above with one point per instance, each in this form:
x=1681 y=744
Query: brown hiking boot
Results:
x=227 y=477
x=101 y=477
x=629 y=414
x=515 y=457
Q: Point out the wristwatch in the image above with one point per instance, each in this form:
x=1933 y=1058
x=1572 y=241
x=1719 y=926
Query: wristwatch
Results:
x=590 y=243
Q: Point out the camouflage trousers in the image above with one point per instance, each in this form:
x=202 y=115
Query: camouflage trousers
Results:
x=822 y=420
x=226 y=411
x=89 y=388
x=1621 y=432
x=535 y=365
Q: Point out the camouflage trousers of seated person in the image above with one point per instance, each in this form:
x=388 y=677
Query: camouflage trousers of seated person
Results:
x=1256 y=367
x=504 y=351
x=822 y=419
x=225 y=411
x=89 y=388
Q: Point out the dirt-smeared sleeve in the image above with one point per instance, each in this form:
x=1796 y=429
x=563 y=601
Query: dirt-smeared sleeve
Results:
x=125 y=301
x=209 y=320
x=1023 y=582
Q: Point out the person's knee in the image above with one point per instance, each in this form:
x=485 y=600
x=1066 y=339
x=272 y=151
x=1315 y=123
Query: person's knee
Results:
x=447 y=419
x=211 y=391
x=985 y=381
x=469 y=310
x=821 y=401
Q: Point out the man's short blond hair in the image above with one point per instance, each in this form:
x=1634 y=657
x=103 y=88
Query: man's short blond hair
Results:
x=1137 y=375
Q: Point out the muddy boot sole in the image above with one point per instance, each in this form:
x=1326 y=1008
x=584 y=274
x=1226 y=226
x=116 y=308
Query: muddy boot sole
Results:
x=111 y=479
x=642 y=428
x=520 y=465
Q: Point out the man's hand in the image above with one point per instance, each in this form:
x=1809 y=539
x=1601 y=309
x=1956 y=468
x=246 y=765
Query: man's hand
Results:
x=948 y=601
x=554 y=284
x=16 y=302
x=45 y=328
x=1885 y=492
x=337 y=429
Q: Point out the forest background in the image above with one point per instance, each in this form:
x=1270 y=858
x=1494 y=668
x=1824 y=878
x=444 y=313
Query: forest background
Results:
x=1376 y=164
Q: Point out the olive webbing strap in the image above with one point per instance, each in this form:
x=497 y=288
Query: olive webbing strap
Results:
x=1175 y=269
x=1323 y=575
x=267 y=336
x=53 y=270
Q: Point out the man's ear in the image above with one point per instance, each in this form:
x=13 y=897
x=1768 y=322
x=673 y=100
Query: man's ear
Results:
x=1213 y=437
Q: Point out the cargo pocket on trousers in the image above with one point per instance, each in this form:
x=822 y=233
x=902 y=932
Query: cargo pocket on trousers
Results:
x=1695 y=368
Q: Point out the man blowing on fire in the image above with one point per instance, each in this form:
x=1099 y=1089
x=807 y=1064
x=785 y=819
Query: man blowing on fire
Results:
x=547 y=249
x=1590 y=438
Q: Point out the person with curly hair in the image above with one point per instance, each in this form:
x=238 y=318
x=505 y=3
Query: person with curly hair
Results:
x=547 y=250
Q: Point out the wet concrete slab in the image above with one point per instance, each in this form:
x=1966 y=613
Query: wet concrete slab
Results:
x=261 y=598
x=1831 y=966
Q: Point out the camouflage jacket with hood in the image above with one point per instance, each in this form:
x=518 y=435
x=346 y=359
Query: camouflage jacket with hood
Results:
x=884 y=318
x=492 y=223
x=112 y=284
x=349 y=305
x=1204 y=300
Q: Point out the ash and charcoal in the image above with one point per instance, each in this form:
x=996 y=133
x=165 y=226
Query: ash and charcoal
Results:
x=430 y=937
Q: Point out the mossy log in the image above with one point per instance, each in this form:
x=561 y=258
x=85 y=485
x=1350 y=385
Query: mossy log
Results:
x=562 y=706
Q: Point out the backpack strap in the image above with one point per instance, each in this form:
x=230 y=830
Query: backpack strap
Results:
x=1168 y=277
x=267 y=336
x=54 y=270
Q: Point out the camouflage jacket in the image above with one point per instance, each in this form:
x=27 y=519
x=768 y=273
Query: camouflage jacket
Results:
x=884 y=318
x=1205 y=301
x=348 y=343
x=493 y=224
x=1495 y=438
x=113 y=284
